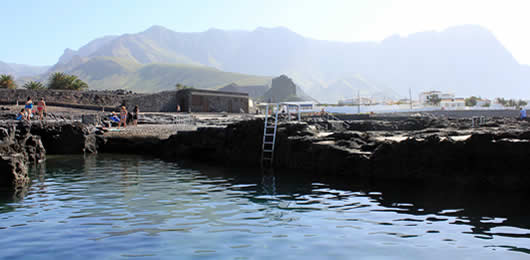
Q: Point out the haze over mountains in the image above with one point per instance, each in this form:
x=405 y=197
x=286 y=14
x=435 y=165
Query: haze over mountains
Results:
x=466 y=60
x=20 y=70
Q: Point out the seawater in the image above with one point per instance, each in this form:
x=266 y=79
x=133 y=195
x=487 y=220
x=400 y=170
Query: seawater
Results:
x=130 y=207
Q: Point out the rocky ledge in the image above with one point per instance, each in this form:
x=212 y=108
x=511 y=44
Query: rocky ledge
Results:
x=430 y=149
x=412 y=149
x=18 y=147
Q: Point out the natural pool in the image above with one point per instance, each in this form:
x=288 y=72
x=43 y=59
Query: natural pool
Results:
x=118 y=207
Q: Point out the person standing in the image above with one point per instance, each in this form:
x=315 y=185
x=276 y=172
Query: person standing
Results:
x=29 y=108
x=123 y=117
x=522 y=113
x=135 y=115
x=41 y=108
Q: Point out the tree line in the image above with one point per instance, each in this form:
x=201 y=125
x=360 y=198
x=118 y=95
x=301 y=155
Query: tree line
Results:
x=472 y=101
x=57 y=80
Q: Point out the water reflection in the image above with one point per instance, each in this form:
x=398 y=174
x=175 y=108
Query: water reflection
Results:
x=102 y=204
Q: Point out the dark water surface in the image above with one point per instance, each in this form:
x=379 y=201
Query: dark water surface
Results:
x=118 y=207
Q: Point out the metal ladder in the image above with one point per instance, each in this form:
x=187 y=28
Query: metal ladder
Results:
x=269 y=137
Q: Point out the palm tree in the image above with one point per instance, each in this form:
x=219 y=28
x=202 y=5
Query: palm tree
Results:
x=60 y=80
x=34 y=85
x=7 y=81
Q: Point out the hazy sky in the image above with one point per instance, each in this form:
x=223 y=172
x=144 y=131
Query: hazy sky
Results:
x=37 y=32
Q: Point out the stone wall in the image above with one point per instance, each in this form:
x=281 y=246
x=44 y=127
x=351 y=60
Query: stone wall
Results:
x=95 y=98
x=471 y=113
x=227 y=104
x=513 y=113
x=165 y=101
x=192 y=100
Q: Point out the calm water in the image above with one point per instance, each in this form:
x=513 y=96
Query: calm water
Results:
x=119 y=207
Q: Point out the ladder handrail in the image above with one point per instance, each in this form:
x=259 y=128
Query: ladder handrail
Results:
x=265 y=135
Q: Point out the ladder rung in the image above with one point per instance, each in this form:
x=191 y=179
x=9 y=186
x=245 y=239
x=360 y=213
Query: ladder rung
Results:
x=268 y=142
x=269 y=134
x=268 y=151
x=267 y=158
x=270 y=126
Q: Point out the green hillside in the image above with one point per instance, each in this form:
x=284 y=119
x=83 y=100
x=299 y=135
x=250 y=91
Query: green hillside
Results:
x=123 y=73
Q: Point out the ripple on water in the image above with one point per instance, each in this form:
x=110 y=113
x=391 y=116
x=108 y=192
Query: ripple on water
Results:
x=134 y=207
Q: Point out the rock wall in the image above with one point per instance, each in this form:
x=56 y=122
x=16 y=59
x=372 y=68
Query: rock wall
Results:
x=513 y=113
x=65 y=137
x=97 y=98
x=488 y=158
x=489 y=113
x=165 y=101
x=17 y=148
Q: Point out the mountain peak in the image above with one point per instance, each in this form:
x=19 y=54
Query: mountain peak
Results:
x=156 y=29
x=279 y=29
x=468 y=28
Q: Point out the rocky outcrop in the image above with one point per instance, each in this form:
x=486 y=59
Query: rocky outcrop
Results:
x=65 y=137
x=13 y=172
x=492 y=156
x=17 y=148
x=235 y=145
x=489 y=159
x=283 y=89
x=413 y=149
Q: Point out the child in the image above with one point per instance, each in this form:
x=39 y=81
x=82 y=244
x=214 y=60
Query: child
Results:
x=123 y=117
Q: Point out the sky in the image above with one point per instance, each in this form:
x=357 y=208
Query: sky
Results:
x=37 y=32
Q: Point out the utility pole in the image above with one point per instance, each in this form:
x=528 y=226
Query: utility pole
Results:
x=410 y=97
x=359 y=101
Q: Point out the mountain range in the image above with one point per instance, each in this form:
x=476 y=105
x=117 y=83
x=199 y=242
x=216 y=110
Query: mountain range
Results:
x=465 y=60
x=20 y=70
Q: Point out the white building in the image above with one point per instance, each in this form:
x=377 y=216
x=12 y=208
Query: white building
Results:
x=423 y=95
x=453 y=103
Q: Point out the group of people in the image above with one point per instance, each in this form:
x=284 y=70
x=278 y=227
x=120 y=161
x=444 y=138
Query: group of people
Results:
x=124 y=114
x=28 y=111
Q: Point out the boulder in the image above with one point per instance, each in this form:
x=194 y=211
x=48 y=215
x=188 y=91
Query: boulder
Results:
x=65 y=137
x=13 y=172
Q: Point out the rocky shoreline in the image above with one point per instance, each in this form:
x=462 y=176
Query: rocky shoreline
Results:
x=420 y=148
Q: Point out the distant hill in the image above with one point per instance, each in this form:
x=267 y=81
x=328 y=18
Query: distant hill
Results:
x=356 y=85
x=255 y=91
x=467 y=60
x=21 y=70
x=116 y=73
x=283 y=89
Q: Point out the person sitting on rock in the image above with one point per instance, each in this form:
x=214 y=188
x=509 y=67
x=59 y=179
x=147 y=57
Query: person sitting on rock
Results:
x=522 y=114
x=114 y=117
x=123 y=117
x=22 y=115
